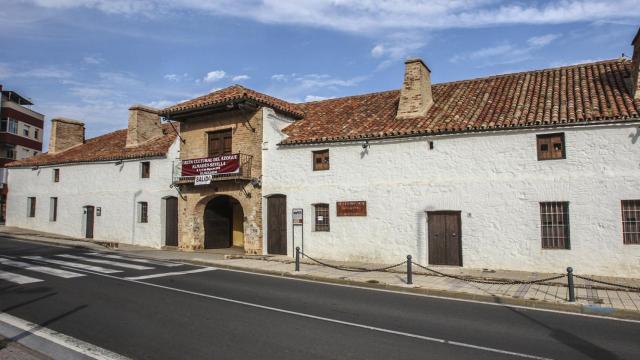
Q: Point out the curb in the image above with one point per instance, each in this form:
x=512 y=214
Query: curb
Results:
x=601 y=312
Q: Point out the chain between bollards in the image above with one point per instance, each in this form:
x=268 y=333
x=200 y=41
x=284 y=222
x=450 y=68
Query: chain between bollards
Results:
x=572 y=290
x=409 y=273
x=297 y=258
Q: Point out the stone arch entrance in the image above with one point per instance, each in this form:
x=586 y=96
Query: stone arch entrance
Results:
x=223 y=221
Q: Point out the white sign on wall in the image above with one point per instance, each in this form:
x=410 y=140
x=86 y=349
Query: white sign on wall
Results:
x=297 y=216
x=203 y=180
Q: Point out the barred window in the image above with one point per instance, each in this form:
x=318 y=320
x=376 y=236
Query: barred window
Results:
x=322 y=217
x=554 y=217
x=143 y=212
x=631 y=221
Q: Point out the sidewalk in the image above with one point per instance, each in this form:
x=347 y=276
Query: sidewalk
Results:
x=591 y=297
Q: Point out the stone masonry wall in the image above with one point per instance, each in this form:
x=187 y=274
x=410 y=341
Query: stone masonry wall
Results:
x=247 y=139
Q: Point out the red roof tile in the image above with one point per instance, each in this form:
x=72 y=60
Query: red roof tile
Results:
x=230 y=94
x=111 y=146
x=585 y=93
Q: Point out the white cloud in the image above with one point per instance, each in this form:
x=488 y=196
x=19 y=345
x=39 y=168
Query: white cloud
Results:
x=279 y=77
x=543 y=40
x=92 y=60
x=398 y=46
x=309 y=98
x=378 y=51
x=376 y=16
x=296 y=87
x=215 y=75
x=240 y=78
x=176 y=77
x=43 y=73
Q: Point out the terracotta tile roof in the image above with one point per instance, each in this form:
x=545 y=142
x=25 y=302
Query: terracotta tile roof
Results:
x=232 y=94
x=586 y=93
x=106 y=147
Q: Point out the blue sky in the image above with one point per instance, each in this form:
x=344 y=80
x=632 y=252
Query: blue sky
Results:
x=91 y=59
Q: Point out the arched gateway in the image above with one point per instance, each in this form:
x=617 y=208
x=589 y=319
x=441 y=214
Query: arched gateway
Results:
x=223 y=221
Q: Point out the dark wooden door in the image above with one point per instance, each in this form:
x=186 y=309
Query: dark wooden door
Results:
x=171 y=221
x=277 y=224
x=445 y=246
x=219 y=143
x=89 y=221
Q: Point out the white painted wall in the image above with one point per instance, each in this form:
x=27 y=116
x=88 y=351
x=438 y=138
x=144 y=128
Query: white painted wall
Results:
x=494 y=179
x=115 y=188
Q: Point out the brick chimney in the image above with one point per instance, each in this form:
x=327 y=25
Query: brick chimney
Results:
x=65 y=133
x=635 y=67
x=415 y=95
x=144 y=125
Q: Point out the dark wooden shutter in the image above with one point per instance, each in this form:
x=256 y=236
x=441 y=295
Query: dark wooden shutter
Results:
x=220 y=143
x=321 y=160
x=146 y=169
x=550 y=146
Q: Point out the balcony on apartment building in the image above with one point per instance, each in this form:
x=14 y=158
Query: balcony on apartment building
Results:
x=204 y=170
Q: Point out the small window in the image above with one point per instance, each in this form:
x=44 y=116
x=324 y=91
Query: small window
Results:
x=31 y=207
x=554 y=217
x=322 y=217
x=3 y=124
x=26 y=130
x=13 y=126
x=551 y=146
x=56 y=175
x=36 y=133
x=321 y=160
x=53 y=209
x=143 y=212
x=145 y=168
x=631 y=221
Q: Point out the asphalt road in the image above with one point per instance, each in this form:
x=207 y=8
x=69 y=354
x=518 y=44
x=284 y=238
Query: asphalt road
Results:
x=147 y=311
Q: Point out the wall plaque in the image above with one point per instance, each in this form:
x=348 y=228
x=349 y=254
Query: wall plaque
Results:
x=351 y=208
x=297 y=216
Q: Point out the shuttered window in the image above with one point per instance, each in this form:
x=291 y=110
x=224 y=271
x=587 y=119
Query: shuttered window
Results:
x=219 y=143
x=554 y=217
x=145 y=169
x=321 y=217
x=56 y=175
x=321 y=160
x=31 y=207
x=631 y=221
x=551 y=146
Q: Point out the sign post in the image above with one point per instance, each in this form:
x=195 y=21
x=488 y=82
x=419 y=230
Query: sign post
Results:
x=297 y=219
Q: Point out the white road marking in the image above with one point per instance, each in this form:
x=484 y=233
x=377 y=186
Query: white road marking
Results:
x=79 y=346
x=17 y=278
x=145 y=261
x=170 y=274
x=335 y=321
x=96 y=269
x=42 y=269
x=107 y=262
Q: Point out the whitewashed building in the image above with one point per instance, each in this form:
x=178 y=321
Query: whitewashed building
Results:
x=115 y=187
x=531 y=171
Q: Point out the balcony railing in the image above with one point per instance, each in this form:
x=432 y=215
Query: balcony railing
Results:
x=243 y=172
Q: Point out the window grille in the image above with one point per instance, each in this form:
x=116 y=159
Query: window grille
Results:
x=321 y=217
x=631 y=221
x=554 y=218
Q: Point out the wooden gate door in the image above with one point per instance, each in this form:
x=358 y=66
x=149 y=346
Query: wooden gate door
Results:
x=445 y=246
x=171 y=221
x=89 y=221
x=277 y=224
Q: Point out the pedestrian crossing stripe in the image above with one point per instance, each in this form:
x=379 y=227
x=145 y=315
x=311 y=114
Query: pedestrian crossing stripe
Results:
x=97 y=269
x=41 y=269
x=145 y=261
x=17 y=278
x=106 y=262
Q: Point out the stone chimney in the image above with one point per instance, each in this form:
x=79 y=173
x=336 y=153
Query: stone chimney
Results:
x=65 y=133
x=144 y=125
x=415 y=95
x=635 y=67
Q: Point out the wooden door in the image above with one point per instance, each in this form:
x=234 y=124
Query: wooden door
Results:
x=171 y=221
x=445 y=246
x=88 y=213
x=219 y=143
x=277 y=224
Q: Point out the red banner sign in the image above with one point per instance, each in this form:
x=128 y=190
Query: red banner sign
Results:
x=223 y=164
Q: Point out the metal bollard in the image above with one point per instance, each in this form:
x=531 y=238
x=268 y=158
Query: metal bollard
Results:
x=297 y=258
x=409 y=274
x=572 y=290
